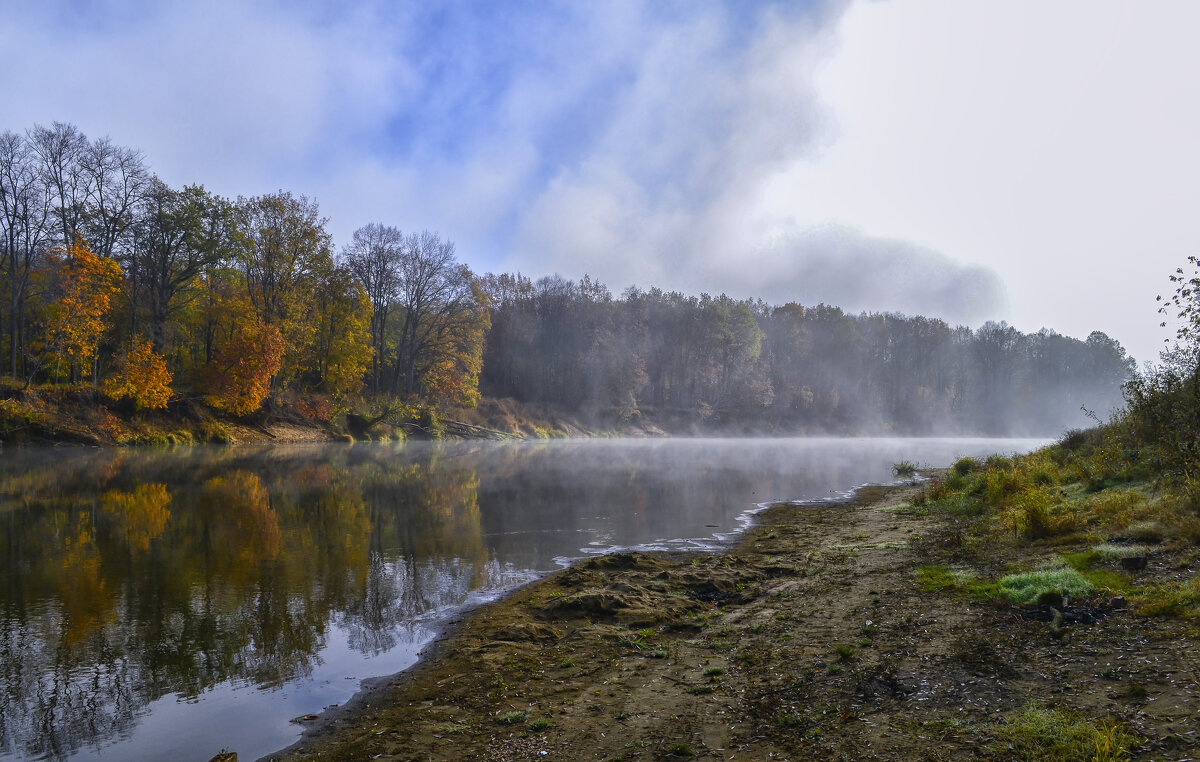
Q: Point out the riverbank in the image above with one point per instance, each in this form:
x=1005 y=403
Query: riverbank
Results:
x=817 y=636
x=80 y=414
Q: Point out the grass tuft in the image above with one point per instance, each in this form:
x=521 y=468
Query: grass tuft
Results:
x=1027 y=587
x=1040 y=734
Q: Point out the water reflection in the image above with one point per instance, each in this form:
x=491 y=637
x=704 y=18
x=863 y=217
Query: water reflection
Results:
x=131 y=578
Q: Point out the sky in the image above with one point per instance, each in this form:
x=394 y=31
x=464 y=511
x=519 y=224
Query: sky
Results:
x=1023 y=161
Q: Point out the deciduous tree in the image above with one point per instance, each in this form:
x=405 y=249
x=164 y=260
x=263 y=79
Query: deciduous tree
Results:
x=142 y=377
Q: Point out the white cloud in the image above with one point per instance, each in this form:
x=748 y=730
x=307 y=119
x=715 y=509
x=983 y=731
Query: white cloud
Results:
x=1054 y=142
x=646 y=143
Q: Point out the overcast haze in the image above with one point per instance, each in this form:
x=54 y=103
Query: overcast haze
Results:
x=1028 y=161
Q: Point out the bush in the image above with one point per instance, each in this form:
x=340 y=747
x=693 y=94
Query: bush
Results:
x=964 y=466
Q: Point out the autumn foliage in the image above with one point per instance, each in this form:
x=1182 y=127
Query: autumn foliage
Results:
x=239 y=379
x=87 y=284
x=143 y=378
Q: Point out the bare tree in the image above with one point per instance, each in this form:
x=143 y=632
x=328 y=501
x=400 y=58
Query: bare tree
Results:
x=433 y=288
x=373 y=257
x=24 y=228
x=116 y=180
x=60 y=149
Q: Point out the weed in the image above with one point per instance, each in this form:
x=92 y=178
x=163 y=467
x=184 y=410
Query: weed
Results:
x=511 y=718
x=714 y=672
x=541 y=723
x=844 y=651
x=679 y=750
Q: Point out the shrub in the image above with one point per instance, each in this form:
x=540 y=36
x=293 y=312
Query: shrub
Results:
x=964 y=466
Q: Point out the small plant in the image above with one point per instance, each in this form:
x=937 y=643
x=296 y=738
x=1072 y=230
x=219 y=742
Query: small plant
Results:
x=680 y=750
x=714 y=672
x=904 y=469
x=844 y=651
x=540 y=724
x=511 y=718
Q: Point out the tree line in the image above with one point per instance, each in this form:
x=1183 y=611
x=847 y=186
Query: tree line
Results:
x=789 y=368
x=110 y=276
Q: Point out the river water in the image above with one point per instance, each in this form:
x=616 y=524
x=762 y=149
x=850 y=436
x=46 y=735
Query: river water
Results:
x=171 y=604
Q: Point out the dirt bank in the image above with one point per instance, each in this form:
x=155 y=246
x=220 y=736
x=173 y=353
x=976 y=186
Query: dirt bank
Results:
x=809 y=640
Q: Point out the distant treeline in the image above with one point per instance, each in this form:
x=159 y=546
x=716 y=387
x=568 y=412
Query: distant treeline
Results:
x=108 y=276
x=787 y=368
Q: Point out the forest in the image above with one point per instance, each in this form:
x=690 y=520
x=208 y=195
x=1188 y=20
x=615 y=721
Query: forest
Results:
x=153 y=295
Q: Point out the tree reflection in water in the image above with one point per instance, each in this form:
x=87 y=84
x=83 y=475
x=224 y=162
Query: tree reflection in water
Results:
x=126 y=582
x=208 y=574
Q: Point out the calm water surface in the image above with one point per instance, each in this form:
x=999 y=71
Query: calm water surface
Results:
x=171 y=604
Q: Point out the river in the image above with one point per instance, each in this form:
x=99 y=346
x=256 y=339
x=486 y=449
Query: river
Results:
x=174 y=603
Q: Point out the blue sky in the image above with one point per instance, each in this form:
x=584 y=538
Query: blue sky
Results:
x=1023 y=161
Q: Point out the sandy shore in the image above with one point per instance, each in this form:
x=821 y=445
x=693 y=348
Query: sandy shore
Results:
x=809 y=639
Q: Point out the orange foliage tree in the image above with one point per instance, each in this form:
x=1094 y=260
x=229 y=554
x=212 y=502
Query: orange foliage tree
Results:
x=239 y=378
x=87 y=284
x=143 y=377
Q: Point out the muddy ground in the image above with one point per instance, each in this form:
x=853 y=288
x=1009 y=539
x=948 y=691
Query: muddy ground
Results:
x=808 y=640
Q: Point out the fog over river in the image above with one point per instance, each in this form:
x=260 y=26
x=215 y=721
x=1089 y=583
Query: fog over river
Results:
x=168 y=604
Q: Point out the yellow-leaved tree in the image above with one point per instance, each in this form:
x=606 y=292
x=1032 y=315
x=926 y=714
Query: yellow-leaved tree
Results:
x=87 y=284
x=143 y=377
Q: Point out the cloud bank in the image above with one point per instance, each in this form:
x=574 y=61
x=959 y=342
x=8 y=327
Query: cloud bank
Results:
x=644 y=143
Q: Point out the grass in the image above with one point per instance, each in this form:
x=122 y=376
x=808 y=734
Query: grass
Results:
x=512 y=718
x=1042 y=734
x=1176 y=599
x=904 y=469
x=1055 y=578
x=1030 y=587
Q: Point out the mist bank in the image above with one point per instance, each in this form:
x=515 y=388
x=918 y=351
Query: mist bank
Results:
x=704 y=364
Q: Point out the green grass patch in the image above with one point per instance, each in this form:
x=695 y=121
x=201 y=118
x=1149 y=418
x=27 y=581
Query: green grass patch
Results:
x=1040 y=734
x=1179 y=600
x=1107 y=551
x=1027 y=587
x=941 y=577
